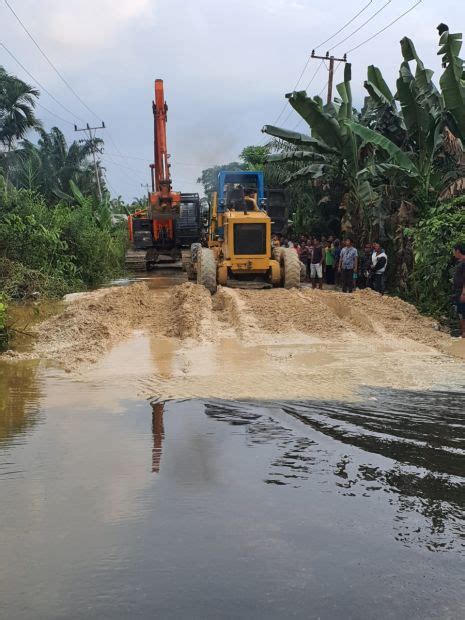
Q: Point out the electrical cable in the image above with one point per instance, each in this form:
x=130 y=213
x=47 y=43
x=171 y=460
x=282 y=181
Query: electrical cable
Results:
x=67 y=84
x=306 y=88
x=362 y=25
x=63 y=120
x=39 y=84
x=310 y=57
x=117 y=163
x=386 y=27
x=345 y=26
x=319 y=95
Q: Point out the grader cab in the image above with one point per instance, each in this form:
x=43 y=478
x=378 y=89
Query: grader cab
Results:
x=239 y=247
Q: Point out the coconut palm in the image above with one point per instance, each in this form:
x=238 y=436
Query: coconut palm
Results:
x=50 y=165
x=17 y=116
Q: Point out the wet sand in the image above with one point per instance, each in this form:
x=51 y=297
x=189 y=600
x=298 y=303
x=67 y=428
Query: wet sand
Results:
x=162 y=341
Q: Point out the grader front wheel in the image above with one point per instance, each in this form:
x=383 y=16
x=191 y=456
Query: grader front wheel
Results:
x=206 y=269
x=290 y=268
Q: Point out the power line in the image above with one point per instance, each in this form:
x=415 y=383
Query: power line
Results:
x=309 y=58
x=39 y=84
x=295 y=87
x=306 y=88
x=63 y=120
x=301 y=120
x=386 y=27
x=362 y=25
x=117 y=163
x=345 y=25
x=175 y=162
x=67 y=84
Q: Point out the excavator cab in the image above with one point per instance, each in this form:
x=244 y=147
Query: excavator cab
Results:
x=239 y=248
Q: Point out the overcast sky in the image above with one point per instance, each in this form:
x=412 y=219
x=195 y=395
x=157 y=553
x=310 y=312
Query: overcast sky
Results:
x=226 y=67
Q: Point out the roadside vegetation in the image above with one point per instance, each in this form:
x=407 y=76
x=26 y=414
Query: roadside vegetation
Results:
x=394 y=170
x=56 y=235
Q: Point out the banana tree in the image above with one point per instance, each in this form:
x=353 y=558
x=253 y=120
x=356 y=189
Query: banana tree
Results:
x=430 y=124
x=331 y=154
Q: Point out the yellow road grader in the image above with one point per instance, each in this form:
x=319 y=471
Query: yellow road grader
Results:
x=239 y=249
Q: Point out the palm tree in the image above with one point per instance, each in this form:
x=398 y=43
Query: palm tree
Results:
x=51 y=165
x=17 y=117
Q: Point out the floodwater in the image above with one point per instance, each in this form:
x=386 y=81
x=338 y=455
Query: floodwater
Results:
x=119 y=508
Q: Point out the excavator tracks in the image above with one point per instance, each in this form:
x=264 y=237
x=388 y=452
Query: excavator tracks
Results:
x=136 y=260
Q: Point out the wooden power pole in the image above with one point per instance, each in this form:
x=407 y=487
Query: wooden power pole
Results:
x=332 y=60
x=91 y=140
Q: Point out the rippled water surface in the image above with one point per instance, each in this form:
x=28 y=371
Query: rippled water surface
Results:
x=219 y=509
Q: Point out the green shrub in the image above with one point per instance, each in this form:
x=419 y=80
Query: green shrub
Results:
x=3 y=325
x=434 y=238
x=54 y=249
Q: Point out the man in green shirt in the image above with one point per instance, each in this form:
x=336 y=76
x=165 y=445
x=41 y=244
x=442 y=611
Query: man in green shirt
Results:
x=329 y=262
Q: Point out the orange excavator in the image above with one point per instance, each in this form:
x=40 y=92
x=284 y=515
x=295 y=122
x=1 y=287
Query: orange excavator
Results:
x=172 y=220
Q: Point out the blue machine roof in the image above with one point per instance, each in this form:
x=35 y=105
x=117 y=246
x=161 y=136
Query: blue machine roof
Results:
x=241 y=176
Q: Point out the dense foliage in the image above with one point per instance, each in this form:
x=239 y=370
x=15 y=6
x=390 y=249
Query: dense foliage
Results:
x=52 y=249
x=56 y=235
x=390 y=169
x=434 y=238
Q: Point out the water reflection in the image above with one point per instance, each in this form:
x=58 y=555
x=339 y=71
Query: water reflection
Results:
x=403 y=448
x=158 y=433
x=20 y=395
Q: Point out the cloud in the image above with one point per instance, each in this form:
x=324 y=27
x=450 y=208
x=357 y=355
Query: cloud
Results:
x=80 y=28
x=226 y=67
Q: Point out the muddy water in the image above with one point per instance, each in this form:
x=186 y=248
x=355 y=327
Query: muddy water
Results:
x=116 y=508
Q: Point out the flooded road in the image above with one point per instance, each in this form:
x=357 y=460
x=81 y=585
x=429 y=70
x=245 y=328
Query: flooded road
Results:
x=113 y=507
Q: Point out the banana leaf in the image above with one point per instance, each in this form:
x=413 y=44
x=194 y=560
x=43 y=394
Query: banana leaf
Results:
x=296 y=156
x=375 y=81
x=324 y=126
x=368 y=136
x=345 y=92
x=314 y=171
x=416 y=116
x=452 y=81
x=299 y=139
x=388 y=170
x=366 y=193
x=426 y=91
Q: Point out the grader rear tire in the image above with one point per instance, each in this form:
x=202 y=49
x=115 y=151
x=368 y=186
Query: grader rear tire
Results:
x=206 y=269
x=291 y=268
x=192 y=262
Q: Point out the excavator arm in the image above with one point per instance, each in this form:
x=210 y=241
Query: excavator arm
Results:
x=164 y=203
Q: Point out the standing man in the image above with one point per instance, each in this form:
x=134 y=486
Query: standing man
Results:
x=309 y=258
x=378 y=268
x=316 y=267
x=365 y=266
x=459 y=286
x=329 y=263
x=348 y=265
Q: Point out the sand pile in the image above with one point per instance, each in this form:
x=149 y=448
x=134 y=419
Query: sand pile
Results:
x=331 y=314
x=89 y=324
x=92 y=323
x=189 y=308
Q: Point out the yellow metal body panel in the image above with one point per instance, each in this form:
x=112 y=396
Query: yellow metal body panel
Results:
x=223 y=246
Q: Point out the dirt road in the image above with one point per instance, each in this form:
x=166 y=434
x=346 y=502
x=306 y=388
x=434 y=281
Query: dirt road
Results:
x=181 y=342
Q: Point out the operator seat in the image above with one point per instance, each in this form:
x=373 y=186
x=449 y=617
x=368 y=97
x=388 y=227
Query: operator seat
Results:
x=235 y=199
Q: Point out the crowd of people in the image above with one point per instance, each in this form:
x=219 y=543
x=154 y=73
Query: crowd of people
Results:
x=327 y=259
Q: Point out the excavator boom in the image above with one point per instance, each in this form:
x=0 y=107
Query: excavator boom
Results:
x=161 y=169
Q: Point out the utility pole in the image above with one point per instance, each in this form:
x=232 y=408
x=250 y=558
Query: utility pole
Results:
x=91 y=140
x=332 y=60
